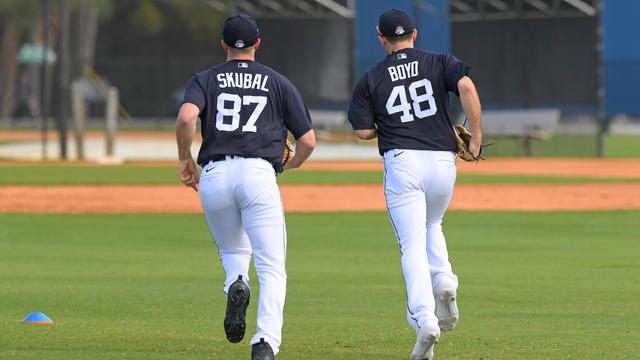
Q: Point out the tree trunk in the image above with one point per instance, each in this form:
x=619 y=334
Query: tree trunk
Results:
x=86 y=36
x=8 y=68
x=44 y=82
x=63 y=76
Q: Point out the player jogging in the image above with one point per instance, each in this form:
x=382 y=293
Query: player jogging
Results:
x=403 y=100
x=245 y=109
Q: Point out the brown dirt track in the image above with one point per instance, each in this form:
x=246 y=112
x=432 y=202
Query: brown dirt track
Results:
x=539 y=197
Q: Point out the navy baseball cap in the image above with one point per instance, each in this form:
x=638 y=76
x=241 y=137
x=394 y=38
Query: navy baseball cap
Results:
x=240 y=31
x=395 y=23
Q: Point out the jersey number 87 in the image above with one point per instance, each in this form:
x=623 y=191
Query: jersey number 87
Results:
x=234 y=112
x=400 y=93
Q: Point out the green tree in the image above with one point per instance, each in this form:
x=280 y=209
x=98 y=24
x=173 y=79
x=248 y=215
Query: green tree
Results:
x=22 y=17
x=17 y=17
x=201 y=18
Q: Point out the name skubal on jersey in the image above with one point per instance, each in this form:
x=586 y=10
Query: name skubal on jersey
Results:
x=243 y=81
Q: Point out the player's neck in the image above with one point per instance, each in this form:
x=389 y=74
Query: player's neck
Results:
x=241 y=57
x=249 y=55
x=391 y=48
x=247 y=58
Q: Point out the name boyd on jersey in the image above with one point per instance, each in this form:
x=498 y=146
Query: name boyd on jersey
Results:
x=243 y=80
x=403 y=71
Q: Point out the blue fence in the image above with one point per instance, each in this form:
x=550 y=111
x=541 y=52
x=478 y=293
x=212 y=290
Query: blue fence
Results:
x=430 y=19
x=621 y=52
x=621 y=23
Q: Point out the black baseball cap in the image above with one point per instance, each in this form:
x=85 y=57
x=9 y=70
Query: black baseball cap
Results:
x=395 y=23
x=240 y=31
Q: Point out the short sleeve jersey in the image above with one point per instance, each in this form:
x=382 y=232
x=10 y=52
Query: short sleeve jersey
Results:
x=405 y=97
x=246 y=109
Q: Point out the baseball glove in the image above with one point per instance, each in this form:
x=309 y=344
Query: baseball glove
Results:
x=463 y=136
x=288 y=150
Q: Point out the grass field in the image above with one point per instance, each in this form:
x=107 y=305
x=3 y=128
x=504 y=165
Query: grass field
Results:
x=565 y=145
x=148 y=286
x=534 y=285
x=166 y=175
x=558 y=145
x=621 y=146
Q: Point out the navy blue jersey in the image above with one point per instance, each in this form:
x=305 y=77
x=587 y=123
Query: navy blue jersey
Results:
x=246 y=109
x=405 y=97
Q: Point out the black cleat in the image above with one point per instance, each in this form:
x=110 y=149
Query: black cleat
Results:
x=237 y=302
x=262 y=351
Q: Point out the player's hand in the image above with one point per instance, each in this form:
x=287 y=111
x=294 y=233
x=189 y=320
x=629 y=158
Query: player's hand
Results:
x=474 y=146
x=304 y=146
x=188 y=173
x=290 y=163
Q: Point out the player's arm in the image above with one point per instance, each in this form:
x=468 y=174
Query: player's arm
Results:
x=185 y=132
x=473 y=110
x=367 y=134
x=304 y=146
x=298 y=122
x=360 y=113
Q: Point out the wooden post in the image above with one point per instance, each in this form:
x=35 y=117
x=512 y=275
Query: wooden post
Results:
x=44 y=105
x=63 y=77
x=111 y=118
x=78 y=109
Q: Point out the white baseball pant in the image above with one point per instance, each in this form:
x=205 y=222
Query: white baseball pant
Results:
x=243 y=208
x=418 y=185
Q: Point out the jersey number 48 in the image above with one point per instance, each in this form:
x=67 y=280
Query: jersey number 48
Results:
x=234 y=111
x=399 y=93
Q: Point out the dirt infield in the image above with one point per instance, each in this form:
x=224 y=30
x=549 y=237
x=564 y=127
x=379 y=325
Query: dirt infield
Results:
x=308 y=198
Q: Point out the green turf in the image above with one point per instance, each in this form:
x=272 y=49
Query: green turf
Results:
x=167 y=175
x=87 y=174
x=526 y=179
x=564 y=145
x=375 y=177
x=148 y=286
x=560 y=145
x=621 y=146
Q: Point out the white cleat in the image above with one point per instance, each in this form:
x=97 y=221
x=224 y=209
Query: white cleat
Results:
x=428 y=336
x=446 y=306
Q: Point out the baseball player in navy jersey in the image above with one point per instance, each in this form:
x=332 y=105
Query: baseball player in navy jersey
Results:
x=245 y=109
x=403 y=100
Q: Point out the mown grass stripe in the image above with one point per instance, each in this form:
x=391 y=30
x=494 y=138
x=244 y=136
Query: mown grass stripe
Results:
x=148 y=286
x=166 y=175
